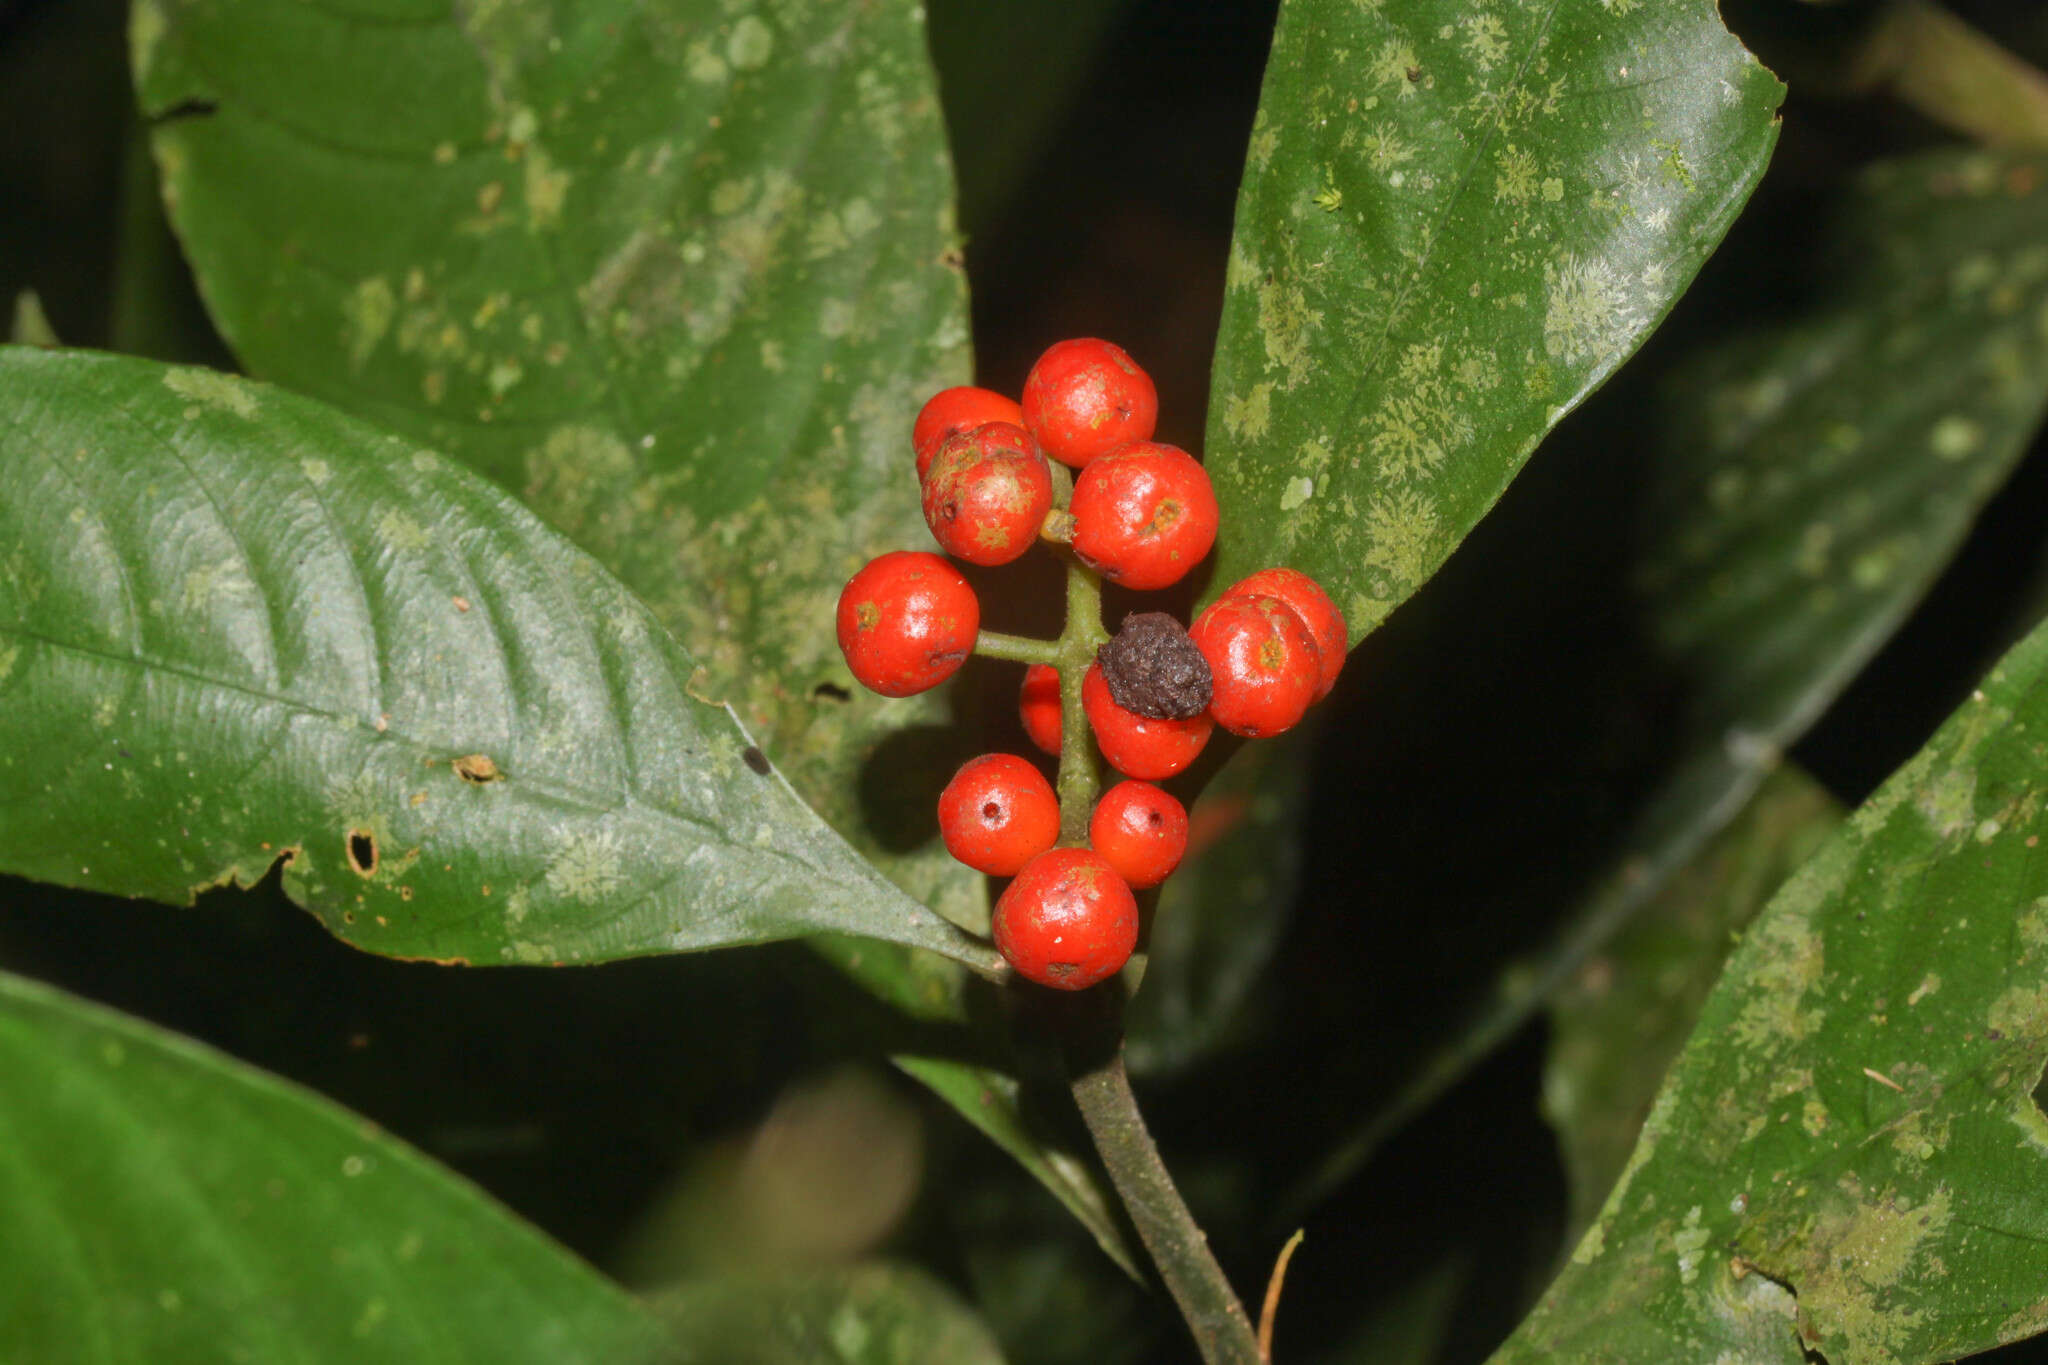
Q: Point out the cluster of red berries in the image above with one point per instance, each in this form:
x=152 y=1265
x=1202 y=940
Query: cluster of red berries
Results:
x=1140 y=514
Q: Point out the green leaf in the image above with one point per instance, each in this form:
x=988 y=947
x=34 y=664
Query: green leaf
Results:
x=238 y=628
x=1850 y=1142
x=162 y=1202
x=994 y=1104
x=1219 y=918
x=677 y=273
x=1454 y=225
x=1807 y=483
x=875 y=1313
x=1620 y=1023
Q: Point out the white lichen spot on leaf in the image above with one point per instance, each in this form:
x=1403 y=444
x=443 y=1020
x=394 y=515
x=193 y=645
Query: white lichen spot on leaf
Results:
x=588 y=867
x=1588 y=317
x=212 y=389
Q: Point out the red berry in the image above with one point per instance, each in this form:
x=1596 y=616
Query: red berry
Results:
x=986 y=493
x=1067 y=921
x=1140 y=831
x=998 y=813
x=1263 y=664
x=907 y=621
x=1315 y=609
x=951 y=411
x=1144 y=515
x=1135 y=745
x=1039 y=706
x=1085 y=398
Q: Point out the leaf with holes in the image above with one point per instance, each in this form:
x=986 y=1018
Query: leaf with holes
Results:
x=1454 y=224
x=238 y=628
x=677 y=273
x=1847 y=1158
x=161 y=1202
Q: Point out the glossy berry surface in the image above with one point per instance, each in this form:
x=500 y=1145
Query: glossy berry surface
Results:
x=1086 y=397
x=1315 y=609
x=1135 y=745
x=1263 y=663
x=907 y=621
x=998 y=813
x=955 y=410
x=1067 y=921
x=1140 y=831
x=986 y=493
x=1038 y=706
x=1144 y=515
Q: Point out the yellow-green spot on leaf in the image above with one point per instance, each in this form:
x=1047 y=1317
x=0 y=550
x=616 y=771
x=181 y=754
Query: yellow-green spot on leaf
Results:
x=1687 y=1243
x=1245 y=415
x=1591 y=1245
x=367 y=315
x=8 y=656
x=401 y=531
x=1852 y=1256
x=1949 y=802
x=317 y=471
x=1955 y=437
x=1296 y=492
x=751 y=44
x=212 y=389
x=547 y=189
x=1285 y=321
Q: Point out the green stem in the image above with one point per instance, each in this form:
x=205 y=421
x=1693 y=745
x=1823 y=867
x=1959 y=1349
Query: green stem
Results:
x=1017 y=648
x=1934 y=62
x=1179 y=1248
x=1078 y=782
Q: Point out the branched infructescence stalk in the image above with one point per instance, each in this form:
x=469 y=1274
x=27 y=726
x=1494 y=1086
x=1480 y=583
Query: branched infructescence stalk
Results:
x=1138 y=514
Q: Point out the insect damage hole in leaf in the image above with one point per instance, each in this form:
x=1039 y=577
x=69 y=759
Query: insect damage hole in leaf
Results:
x=362 y=852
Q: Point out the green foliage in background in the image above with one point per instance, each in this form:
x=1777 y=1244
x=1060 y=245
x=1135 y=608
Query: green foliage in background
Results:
x=486 y=615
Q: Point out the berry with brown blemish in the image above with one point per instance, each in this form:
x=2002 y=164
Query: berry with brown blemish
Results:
x=907 y=621
x=1144 y=515
x=1067 y=921
x=986 y=493
x=1086 y=397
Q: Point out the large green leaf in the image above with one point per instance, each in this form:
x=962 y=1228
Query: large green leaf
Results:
x=678 y=273
x=869 y=1314
x=1619 y=1024
x=1849 y=1145
x=1807 y=483
x=162 y=1203
x=1455 y=223
x=239 y=628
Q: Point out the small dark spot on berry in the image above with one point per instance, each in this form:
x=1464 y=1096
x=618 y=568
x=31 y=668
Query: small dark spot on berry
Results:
x=991 y=811
x=755 y=759
x=1154 y=818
